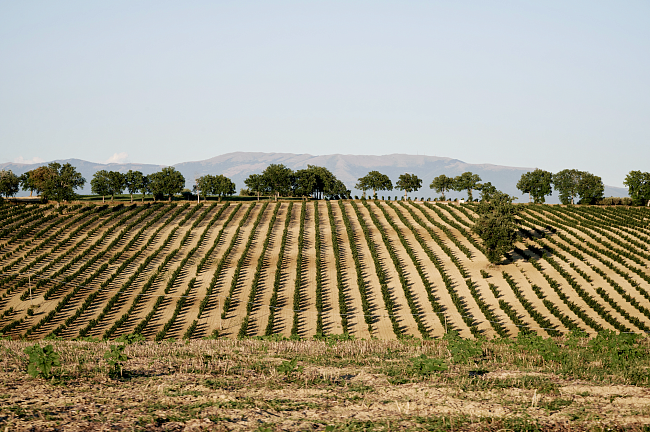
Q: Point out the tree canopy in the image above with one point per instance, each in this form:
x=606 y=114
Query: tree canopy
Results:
x=442 y=184
x=571 y=184
x=134 y=181
x=166 y=182
x=58 y=182
x=487 y=191
x=638 y=184
x=374 y=181
x=9 y=183
x=537 y=184
x=497 y=225
x=219 y=185
x=408 y=183
x=467 y=181
x=278 y=179
x=100 y=184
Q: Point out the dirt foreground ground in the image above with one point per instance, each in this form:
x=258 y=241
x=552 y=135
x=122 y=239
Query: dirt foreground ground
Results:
x=330 y=385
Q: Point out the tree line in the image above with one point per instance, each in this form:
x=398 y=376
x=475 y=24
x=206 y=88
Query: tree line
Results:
x=58 y=183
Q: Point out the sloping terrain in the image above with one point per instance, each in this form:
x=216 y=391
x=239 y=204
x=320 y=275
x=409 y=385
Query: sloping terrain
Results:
x=384 y=269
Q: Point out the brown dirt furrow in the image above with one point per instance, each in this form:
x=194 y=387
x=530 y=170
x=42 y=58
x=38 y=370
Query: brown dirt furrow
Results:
x=331 y=310
x=356 y=322
x=457 y=278
x=96 y=308
x=127 y=297
x=221 y=289
x=308 y=315
x=477 y=255
x=586 y=267
x=573 y=296
x=533 y=276
x=382 y=327
x=239 y=303
x=183 y=320
x=209 y=321
x=146 y=303
x=430 y=319
x=284 y=314
x=46 y=306
x=453 y=318
x=599 y=281
x=259 y=316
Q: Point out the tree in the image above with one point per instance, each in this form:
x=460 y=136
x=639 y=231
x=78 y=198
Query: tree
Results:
x=278 y=179
x=467 y=181
x=566 y=183
x=374 y=181
x=145 y=187
x=117 y=182
x=100 y=184
x=167 y=182
x=203 y=186
x=487 y=191
x=28 y=181
x=497 y=225
x=537 y=184
x=573 y=184
x=408 y=183
x=590 y=188
x=638 y=184
x=255 y=183
x=441 y=184
x=60 y=182
x=134 y=182
x=9 y=183
x=317 y=182
x=222 y=186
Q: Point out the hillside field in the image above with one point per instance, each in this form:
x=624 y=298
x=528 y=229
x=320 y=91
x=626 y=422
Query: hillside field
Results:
x=373 y=269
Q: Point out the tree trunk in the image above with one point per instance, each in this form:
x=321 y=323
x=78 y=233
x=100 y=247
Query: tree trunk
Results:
x=103 y=199
x=131 y=198
x=170 y=198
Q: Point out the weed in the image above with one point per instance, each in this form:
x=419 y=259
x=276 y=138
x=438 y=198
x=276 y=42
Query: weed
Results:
x=41 y=361
x=115 y=358
x=289 y=367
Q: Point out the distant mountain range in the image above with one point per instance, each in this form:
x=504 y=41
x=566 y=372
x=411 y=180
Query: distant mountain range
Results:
x=348 y=168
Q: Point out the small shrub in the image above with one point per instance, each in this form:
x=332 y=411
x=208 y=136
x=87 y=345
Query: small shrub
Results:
x=115 y=358
x=41 y=361
x=426 y=366
x=289 y=367
x=130 y=339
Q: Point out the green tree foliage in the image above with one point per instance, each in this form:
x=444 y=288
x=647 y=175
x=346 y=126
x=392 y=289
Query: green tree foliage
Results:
x=408 y=183
x=166 y=182
x=497 y=225
x=134 y=182
x=100 y=184
x=537 y=184
x=638 y=184
x=467 y=181
x=590 y=188
x=28 y=181
x=487 y=191
x=374 y=181
x=219 y=185
x=318 y=182
x=59 y=182
x=442 y=184
x=255 y=183
x=278 y=179
x=117 y=183
x=573 y=184
x=9 y=183
x=41 y=361
x=108 y=183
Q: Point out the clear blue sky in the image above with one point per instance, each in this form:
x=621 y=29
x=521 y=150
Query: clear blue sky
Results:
x=549 y=84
